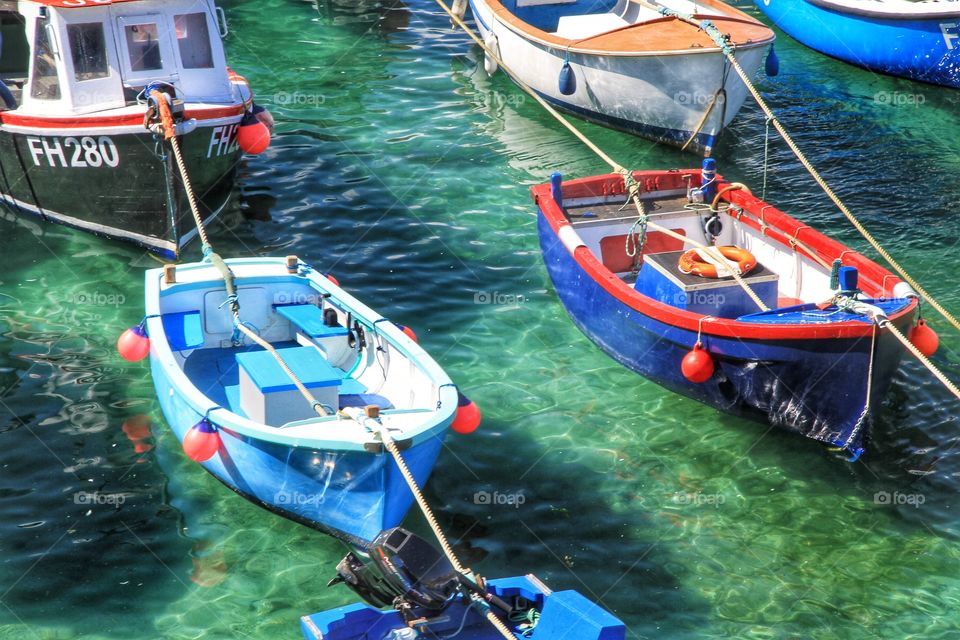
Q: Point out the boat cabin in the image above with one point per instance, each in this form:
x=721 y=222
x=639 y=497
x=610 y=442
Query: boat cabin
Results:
x=75 y=57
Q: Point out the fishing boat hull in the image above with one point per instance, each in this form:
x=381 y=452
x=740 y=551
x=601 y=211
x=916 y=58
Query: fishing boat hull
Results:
x=562 y=614
x=823 y=382
x=919 y=41
x=327 y=472
x=684 y=98
x=114 y=180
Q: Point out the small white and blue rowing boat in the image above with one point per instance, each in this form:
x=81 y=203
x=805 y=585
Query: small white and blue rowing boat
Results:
x=633 y=65
x=240 y=414
x=916 y=40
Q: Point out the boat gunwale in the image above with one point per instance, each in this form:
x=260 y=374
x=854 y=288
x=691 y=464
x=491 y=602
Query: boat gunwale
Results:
x=722 y=327
x=532 y=34
x=434 y=424
x=202 y=112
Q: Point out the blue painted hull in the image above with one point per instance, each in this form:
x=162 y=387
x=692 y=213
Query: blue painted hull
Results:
x=564 y=614
x=816 y=388
x=353 y=495
x=923 y=49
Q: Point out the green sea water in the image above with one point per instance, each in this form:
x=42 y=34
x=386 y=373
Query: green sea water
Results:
x=403 y=170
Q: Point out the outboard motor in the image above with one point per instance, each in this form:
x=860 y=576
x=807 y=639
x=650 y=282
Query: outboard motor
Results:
x=400 y=566
x=402 y=570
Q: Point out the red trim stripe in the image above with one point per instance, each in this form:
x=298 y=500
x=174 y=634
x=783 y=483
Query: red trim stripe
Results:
x=875 y=280
x=91 y=121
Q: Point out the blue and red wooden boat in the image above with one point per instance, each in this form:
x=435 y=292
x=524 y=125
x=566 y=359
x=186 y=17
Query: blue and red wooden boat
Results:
x=813 y=362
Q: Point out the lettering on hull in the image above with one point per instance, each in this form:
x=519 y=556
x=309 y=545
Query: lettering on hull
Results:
x=223 y=141
x=951 y=32
x=76 y=153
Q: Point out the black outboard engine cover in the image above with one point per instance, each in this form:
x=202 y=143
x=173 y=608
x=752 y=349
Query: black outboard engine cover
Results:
x=403 y=569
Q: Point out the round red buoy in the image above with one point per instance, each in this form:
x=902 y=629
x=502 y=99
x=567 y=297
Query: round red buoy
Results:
x=924 y=338
x=133 y=345
x=407 y=331
x=201 y=442
x=697 y=365
x=468 y=415
x=333 y=280
x=253 y=137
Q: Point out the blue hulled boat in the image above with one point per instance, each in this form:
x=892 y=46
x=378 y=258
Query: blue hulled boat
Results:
x=430 y=599
x=240 y=415
x=808 y=355
x=916 y=40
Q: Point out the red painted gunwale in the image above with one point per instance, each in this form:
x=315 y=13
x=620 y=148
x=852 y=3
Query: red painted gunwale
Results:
x=875 y=280
x=127 y=120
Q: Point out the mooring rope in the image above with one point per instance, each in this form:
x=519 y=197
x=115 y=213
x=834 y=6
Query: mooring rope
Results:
x=924 y=360
x=721 y=41
x=727 y=50
x=632 y=189
x=371 y=421
x=169 y=134
x=232 y=299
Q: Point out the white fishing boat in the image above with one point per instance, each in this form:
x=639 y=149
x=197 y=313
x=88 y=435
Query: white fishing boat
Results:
x=633 y=65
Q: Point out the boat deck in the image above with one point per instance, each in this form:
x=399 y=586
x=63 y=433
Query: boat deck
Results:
x=216 y=374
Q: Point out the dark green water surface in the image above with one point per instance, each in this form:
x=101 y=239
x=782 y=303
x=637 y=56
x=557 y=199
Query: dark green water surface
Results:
x=403 y=170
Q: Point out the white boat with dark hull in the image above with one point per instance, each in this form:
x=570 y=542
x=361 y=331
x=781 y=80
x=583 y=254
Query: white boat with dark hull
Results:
x=626 y=64
x=74 y=148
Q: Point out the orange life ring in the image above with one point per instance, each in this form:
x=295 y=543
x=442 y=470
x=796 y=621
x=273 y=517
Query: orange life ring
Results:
x=690 y=262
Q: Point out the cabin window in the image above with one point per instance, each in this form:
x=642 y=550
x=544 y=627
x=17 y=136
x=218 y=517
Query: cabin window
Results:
x=89 y=47
x=193 y=37
x=143 y=44
x=46 y=82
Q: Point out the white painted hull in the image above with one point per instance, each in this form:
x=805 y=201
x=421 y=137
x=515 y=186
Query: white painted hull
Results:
x=661 y=96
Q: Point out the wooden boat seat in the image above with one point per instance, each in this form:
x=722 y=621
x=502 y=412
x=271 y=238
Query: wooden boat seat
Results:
x=216 y=373
x=309 y=319
x=268 y=395
x=578 y=27
x=661 y=279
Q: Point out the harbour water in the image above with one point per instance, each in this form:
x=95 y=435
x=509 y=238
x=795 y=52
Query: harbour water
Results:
x=403 y=170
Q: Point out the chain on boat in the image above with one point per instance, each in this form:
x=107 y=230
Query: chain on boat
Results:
x=370 y=419
x=633 y=188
